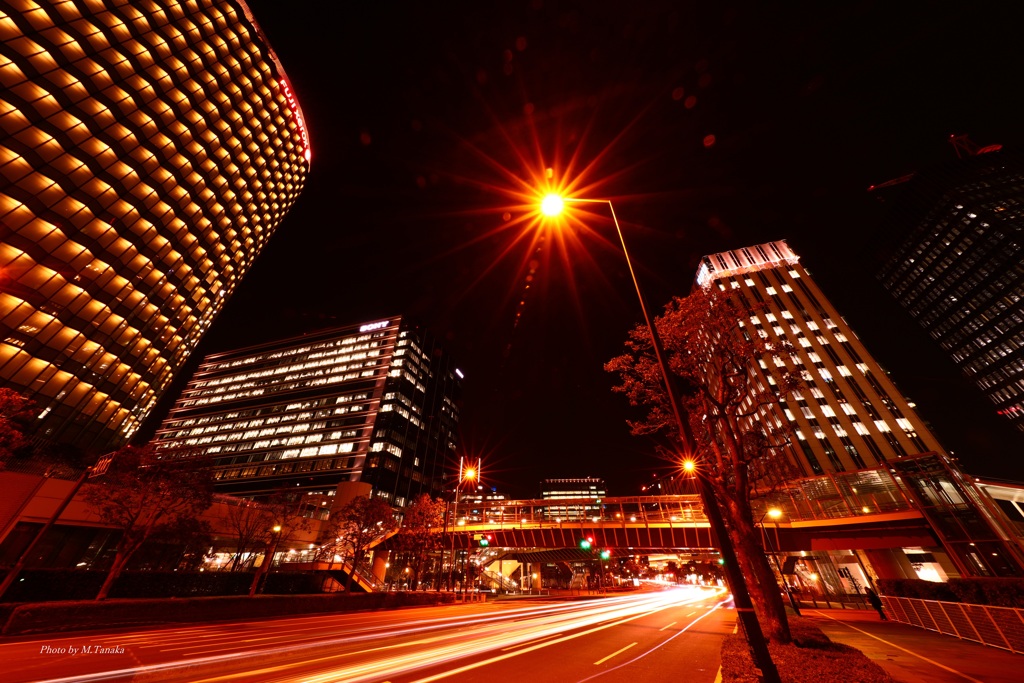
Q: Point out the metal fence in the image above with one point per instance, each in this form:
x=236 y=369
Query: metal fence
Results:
x=1001 y=627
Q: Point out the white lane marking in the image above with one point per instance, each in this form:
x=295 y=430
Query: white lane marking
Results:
x=668 y=626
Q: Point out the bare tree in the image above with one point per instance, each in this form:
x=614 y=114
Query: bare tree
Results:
x=358 y=524
x=249 y=521
x=418 y=537
x=732 y=387
x=283 y=518
x=145 y=491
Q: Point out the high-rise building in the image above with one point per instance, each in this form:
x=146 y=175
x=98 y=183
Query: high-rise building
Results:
x=482 y=504
x=573 y=498
x=375 y=403
x=958 y=267
x=849 y=415
x=148 y=152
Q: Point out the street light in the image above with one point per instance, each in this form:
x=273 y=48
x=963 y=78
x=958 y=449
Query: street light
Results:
x=775 y=513
x=552 y=205
x=466 y=473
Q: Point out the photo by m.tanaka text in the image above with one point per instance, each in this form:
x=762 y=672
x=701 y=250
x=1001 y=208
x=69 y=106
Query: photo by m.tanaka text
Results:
x=81 y=650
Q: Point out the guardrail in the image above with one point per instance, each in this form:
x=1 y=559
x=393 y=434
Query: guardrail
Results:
x=1001 y=627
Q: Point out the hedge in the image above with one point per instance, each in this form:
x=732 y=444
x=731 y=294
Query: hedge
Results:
x=46 y=585
x=994 y=592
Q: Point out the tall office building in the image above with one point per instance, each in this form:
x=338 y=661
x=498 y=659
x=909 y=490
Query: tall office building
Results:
x=958 y=268
x=575 y=498
x=849 y=415
x=375 y=402
x=148 y=152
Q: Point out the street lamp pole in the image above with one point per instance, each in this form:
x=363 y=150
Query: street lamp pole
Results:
x=737 y=583
x=775 y=513
x=465 y=473
x=455 y=516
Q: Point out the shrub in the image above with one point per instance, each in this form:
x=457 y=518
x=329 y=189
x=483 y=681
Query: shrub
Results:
x=916 y=588
x=45 y=585
x=811 y=658
x=293 y=583
x=994 y=592
x=48 y=585
x=180 y=584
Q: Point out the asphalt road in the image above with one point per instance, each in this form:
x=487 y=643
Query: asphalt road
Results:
x=673 y=634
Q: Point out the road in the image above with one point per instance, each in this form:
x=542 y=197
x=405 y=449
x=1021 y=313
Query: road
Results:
x=648 y=636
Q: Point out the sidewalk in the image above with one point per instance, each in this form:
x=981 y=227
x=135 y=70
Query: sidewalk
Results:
x=916 y=655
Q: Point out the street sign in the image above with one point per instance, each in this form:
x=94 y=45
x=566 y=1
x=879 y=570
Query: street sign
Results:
x=101 y=466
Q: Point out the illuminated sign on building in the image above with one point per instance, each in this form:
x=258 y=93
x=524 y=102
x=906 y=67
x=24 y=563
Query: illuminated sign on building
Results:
x=369 y=327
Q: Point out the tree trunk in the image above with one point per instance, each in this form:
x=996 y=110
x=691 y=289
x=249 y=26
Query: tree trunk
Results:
x=356 y=557
x=763 y=588
x=120 y=560
x=761 y=583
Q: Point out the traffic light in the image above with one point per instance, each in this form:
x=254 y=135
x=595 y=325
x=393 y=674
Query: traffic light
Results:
x=721 y=560
x=586 y=543
x=605 y=554
x=485 y=541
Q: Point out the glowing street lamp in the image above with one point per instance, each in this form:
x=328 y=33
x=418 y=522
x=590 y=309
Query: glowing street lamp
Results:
x=552 y=205
x=775 y=514
x=467 y=473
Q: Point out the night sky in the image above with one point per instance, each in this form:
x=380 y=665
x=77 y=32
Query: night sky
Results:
x=711 y=128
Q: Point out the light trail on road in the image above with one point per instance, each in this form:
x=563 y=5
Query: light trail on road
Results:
x=345 y=648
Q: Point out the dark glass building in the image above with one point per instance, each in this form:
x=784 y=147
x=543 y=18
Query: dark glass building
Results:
x=375 y=402
x=958 y=268
x=148 y=152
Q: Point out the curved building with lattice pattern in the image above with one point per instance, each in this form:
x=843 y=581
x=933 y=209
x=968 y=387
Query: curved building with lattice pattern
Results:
x=148 y=152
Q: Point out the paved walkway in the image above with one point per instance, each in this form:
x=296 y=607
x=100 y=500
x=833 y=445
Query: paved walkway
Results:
x=916 y=655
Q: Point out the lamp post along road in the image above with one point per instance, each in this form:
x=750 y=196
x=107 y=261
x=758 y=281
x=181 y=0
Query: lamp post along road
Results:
x=775 y=513
x=469 y=473
x=551 y=206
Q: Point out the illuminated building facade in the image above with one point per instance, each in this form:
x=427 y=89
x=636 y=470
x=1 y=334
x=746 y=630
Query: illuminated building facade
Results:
x=481 y=504
x=850 y=418
x=374 y=403
x=959 y=269
x=849 y=415
x=582 y=497
x=149 y=150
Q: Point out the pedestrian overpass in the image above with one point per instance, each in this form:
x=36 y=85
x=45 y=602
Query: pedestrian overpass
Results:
x=913 y=505
x=674 y=522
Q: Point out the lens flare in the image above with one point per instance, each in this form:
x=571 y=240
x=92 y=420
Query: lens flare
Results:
x=552 y=205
